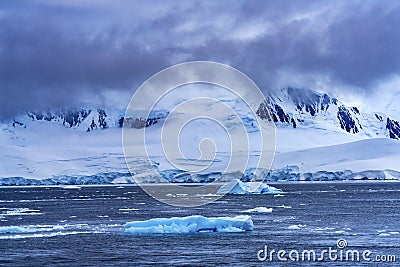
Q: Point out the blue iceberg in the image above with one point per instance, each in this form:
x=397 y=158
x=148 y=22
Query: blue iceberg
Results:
x=190 y=224
x=243 y=188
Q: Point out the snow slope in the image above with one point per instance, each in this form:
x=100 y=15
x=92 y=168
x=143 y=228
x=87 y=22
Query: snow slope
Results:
x=376 y=158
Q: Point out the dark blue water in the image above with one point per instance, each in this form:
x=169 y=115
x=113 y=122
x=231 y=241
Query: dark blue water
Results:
x=84 y=227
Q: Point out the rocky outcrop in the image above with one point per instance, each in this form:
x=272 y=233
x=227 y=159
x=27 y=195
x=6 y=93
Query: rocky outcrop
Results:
x=347 y=122
x=393 y=128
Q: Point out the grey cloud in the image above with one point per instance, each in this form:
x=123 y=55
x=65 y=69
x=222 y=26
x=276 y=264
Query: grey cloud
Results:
x=51 y=53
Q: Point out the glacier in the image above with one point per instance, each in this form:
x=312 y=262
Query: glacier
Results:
x=190 y=224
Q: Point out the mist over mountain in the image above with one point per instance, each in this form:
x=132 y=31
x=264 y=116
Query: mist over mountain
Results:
x=290 y=107
x=84 y=50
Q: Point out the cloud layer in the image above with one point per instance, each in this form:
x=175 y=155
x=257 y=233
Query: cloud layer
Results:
x=65 y=53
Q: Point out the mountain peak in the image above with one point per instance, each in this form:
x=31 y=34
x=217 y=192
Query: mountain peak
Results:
x=302 y=107
x=288 y=107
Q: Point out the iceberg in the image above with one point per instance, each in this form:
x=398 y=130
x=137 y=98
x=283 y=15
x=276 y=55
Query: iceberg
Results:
x=190 y=224
x=242 y=188
x=259 y=210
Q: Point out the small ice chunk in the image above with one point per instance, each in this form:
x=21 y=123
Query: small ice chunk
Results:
x=284 y=207
x=324 y=229
x=58 y=227
x=190 y=224
x=296 y=227
x=71 y=187
x=15 y=229
x=259 y=210
x=21 y=211
x=29 y=229
x=384 y=234
x=127 y=209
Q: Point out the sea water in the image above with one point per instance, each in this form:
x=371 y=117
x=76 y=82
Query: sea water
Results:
x=84 y=226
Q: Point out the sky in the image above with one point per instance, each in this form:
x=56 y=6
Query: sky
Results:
x=68 y=53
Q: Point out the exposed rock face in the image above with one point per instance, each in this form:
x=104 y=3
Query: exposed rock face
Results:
x=88 y=119
x=295 y=107
x=140 y=122
x=346 y=120
x=69 y=117
x=394 y=128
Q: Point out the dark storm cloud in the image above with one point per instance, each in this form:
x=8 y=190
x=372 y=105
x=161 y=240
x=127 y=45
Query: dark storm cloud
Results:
x=56 y=53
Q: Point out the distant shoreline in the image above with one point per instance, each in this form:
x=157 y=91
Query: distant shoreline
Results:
x=200 y=184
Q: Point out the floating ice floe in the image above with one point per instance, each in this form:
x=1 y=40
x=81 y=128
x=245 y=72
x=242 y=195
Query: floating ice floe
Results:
x=259 y=210
x=15 y=229
x=284 y=207
x=242 y=188
x=296 y=227
x=384 y=233
x=190 y=224
x=29 y=229
x=71 y=187
x=128 y=209
x=40 y=235
x=20 y=212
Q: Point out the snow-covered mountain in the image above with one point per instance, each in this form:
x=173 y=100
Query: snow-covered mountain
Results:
x=303 y=108
x=318 y=137
x=289 y=107
x=87 y=119
x=84 y=119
